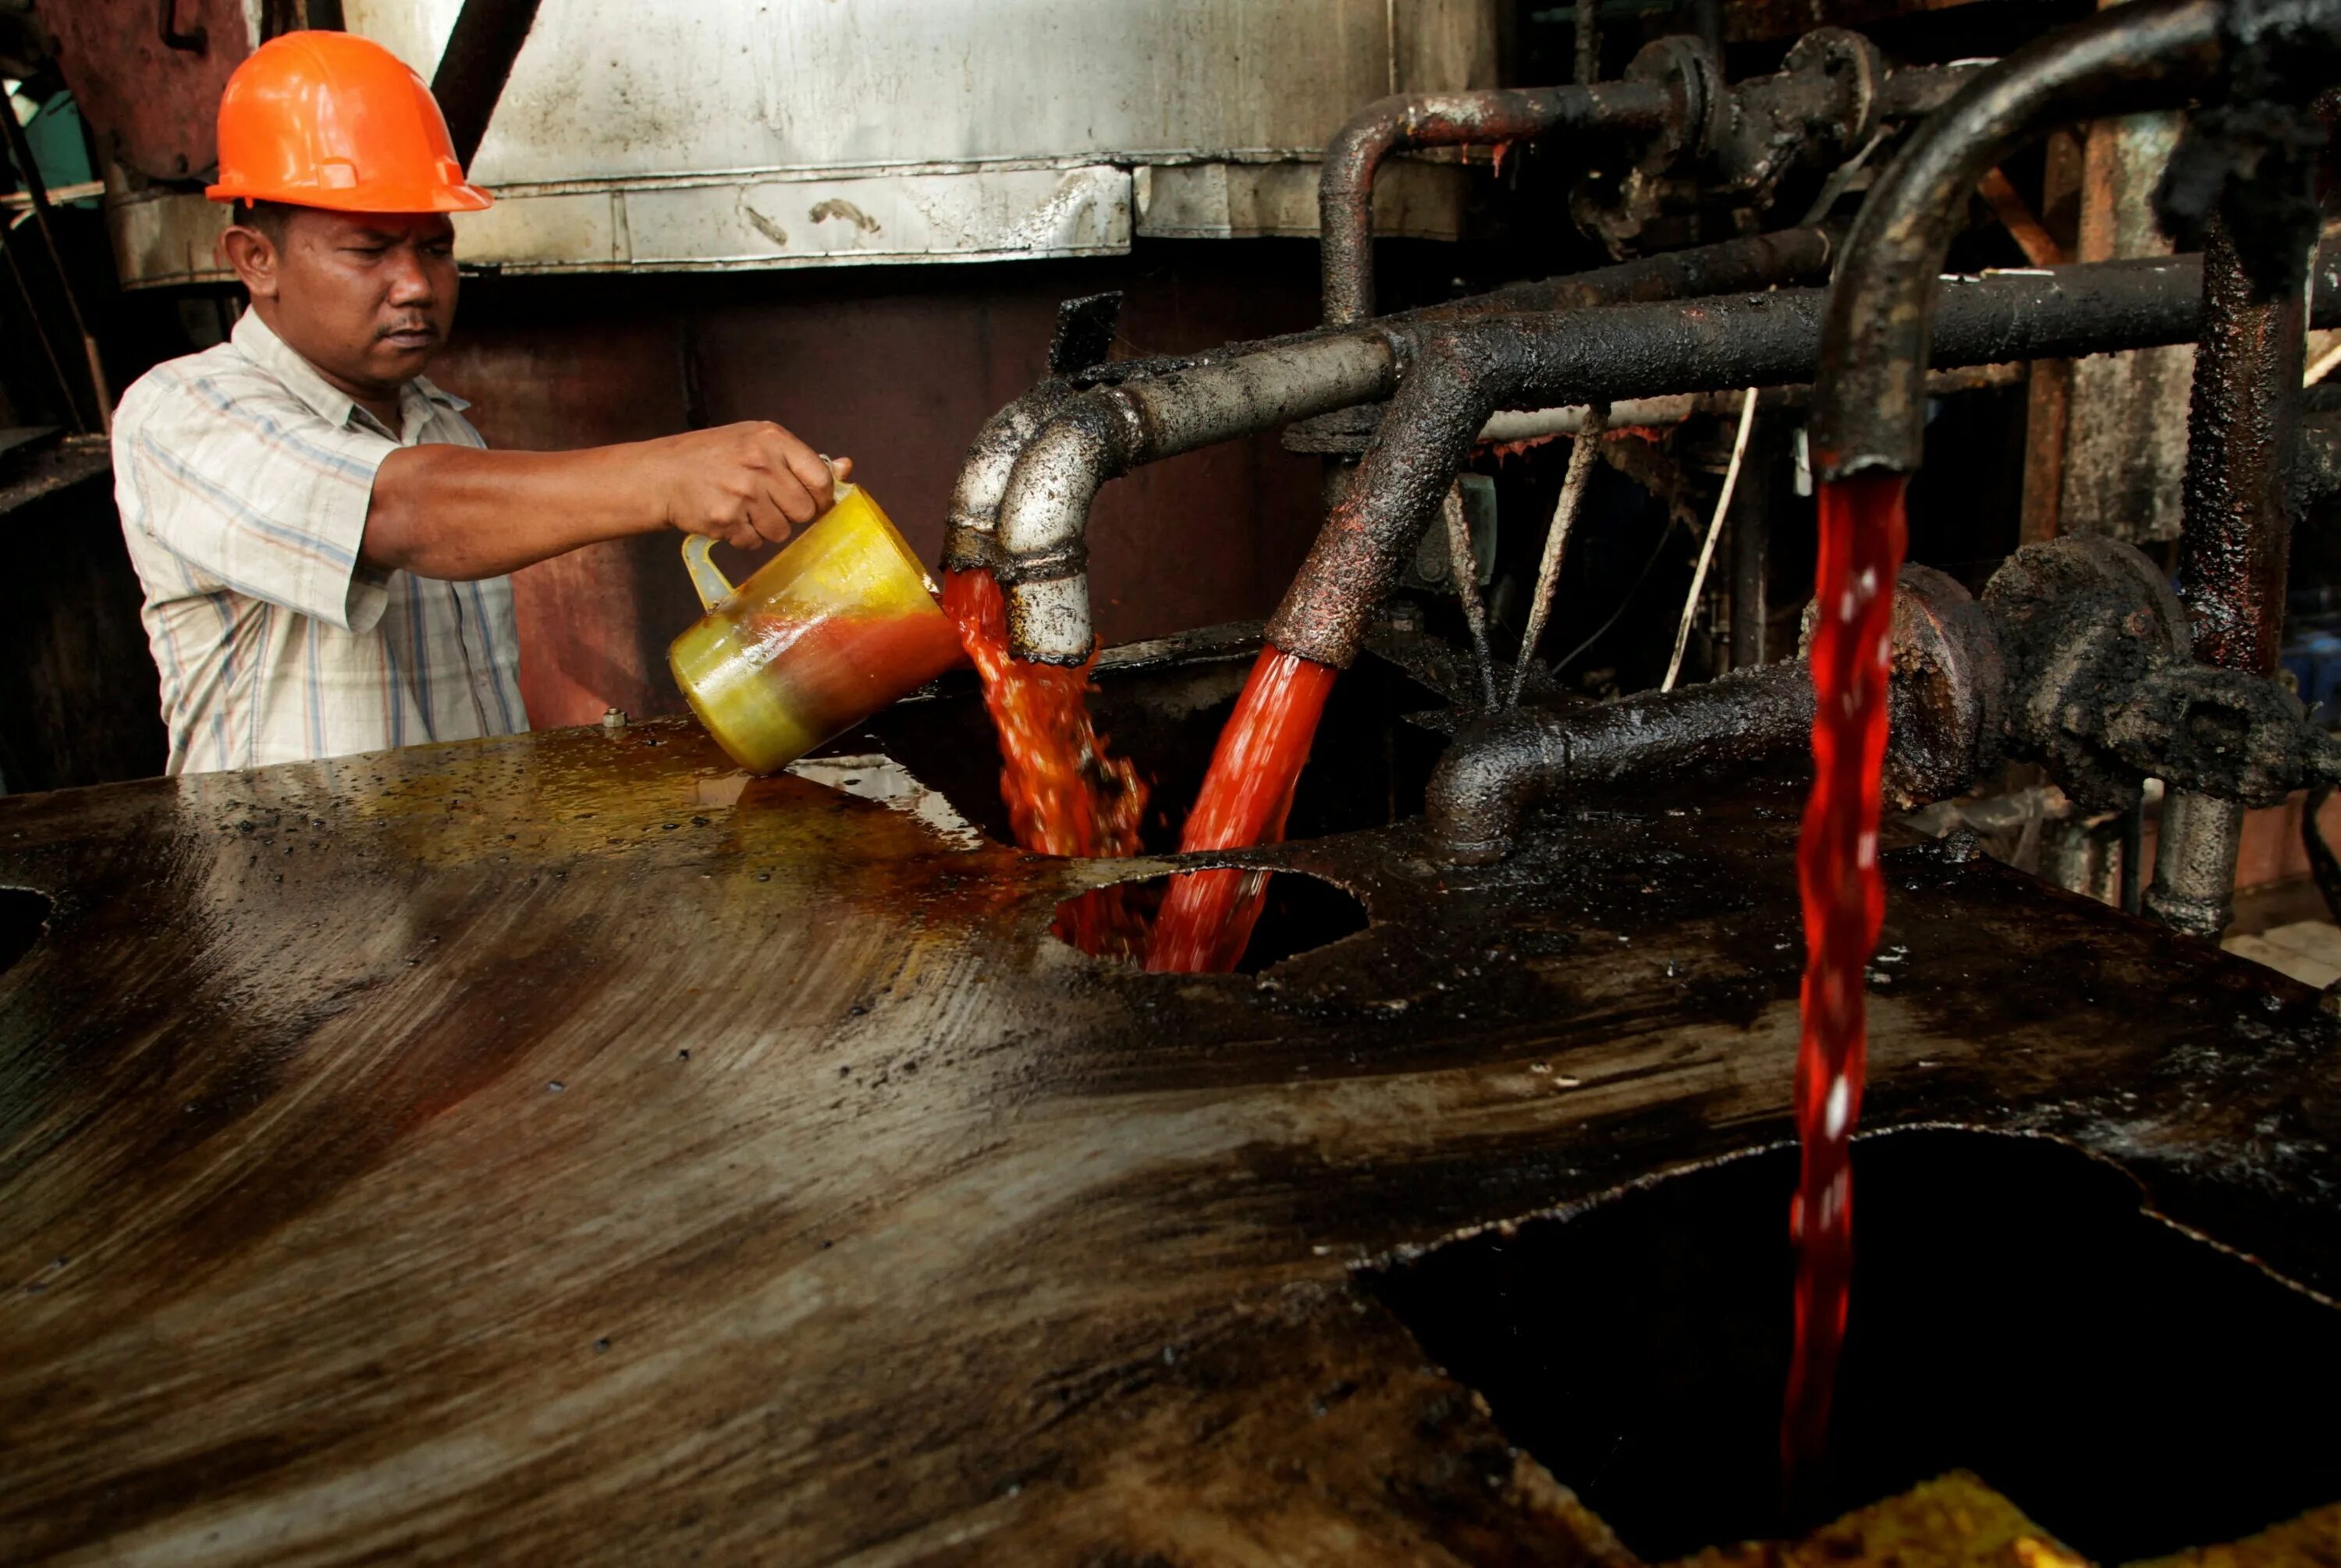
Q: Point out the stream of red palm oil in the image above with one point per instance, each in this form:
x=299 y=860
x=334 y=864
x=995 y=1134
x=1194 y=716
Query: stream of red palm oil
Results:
x=1066 y=793
x=1862 y=533
x=1208 y=916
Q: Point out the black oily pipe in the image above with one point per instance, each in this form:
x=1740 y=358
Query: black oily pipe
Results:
x=1499 y=766
x=1753 y=262
x=1461 y=372
x=1870 y=394
x=1345 y=190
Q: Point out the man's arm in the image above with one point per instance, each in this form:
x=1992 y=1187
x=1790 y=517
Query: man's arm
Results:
x=457 y=513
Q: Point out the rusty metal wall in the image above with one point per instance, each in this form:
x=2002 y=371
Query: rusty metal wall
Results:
x=898 y=369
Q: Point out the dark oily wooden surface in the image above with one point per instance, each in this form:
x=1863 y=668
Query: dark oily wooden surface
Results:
x=556 y=1149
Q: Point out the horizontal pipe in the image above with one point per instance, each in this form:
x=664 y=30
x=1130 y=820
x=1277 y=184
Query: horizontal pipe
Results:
x=1652 y=413
x=1345 y=192
x=1499 y=768
x=1460 y=373
x=1027 y=523
x=1754 y=261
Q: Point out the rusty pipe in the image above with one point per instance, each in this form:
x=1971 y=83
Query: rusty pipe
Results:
x=1020 y=506
x=2242 y=427
x=1345 y=191
x=1755 y=261
x=1461 y=372
x=1497 y=768
x=1947 y=696
x=1869 y=399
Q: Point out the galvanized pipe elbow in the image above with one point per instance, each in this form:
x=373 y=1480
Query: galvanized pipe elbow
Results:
x=1488 y=779
x=1043 y=559
x=1870 y=396
x=971 y=539
x=1044 y=512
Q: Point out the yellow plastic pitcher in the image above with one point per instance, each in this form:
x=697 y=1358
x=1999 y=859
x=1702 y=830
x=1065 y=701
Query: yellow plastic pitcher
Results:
x=842 y=621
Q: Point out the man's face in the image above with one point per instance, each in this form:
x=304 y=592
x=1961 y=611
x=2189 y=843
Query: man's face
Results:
x=366 y=297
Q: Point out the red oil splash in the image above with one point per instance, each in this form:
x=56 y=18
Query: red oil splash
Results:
x=1208 y=916
x=1066 y=793
x=1862 y=535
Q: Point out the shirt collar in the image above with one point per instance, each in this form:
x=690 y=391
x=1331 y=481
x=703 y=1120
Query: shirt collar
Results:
x=271 y=354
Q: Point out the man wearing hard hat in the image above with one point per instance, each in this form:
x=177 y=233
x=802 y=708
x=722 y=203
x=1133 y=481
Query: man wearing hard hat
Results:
x=322 y=537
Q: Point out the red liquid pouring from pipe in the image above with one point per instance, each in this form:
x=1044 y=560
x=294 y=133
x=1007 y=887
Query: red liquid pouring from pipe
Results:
x=1862 y=534
x=1066 y=793
x=1208 y=916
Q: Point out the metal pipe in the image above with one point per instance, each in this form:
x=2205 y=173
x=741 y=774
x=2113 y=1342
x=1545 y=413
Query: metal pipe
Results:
x=2243 y=424
x=1726 y=267
x=2241 y=441
x=482 y=45
x=970 y=529
x=1345 y=192
x=1499 y=768
x=1751 y=545
x=1535 y=424
x=1045 y=507
x=1460 y=372
x=1869 y=402
x=1029 y=532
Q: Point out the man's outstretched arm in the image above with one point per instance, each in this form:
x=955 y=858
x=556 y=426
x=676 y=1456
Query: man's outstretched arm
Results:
x=457 y=512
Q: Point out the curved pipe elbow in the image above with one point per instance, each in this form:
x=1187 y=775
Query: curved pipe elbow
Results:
x=971 y=540
x=1045 y=510
x=1869 y=397
x=1345 y=189
x=1345 y=206
x=1487 y=781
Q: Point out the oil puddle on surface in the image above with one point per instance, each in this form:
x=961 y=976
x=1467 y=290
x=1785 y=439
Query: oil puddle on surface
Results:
x=2016 y=1313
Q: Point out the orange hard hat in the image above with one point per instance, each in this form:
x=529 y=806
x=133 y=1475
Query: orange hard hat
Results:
x=322 y=119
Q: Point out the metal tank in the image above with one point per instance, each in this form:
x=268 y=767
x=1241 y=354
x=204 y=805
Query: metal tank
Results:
x=761 y=133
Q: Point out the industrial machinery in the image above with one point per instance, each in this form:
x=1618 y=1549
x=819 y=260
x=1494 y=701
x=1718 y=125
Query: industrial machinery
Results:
x=569 y=1148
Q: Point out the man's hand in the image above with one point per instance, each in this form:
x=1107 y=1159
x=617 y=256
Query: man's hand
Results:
x=746 y=483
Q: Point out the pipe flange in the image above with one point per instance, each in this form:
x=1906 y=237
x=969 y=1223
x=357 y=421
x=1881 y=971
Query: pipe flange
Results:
x=1949 y=674
x=2082 y=619
x=1949 y=677
x=1844 y=70
x=1682 y=66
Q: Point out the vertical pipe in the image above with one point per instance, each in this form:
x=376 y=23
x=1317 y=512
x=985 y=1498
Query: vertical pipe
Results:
x=2049 y=392
x=1589 y=41
x=1751 y=547
x=2242 y=426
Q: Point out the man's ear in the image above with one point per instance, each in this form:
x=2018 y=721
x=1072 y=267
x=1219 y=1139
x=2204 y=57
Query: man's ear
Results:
x=253 y=257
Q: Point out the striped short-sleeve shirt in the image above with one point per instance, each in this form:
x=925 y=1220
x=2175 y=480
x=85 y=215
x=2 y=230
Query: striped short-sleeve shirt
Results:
x=242 y=477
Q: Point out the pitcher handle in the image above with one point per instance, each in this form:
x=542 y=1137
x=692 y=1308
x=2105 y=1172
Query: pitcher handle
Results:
x=707 y=577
